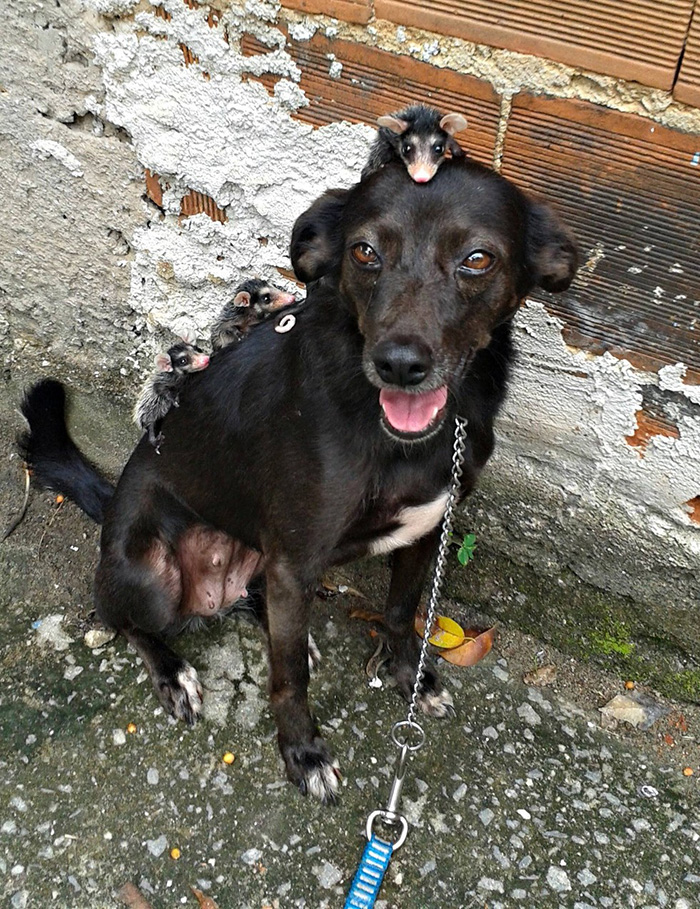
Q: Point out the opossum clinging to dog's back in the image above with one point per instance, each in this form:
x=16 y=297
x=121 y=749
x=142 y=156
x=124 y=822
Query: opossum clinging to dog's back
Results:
x=420 y=136
x=160 y=391
x=254 y=302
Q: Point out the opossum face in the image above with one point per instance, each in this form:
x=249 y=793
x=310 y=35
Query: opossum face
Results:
x=185 y=358
x=422 y=154
x=262 y=297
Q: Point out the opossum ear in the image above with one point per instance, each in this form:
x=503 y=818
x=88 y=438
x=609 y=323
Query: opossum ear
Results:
x=317 y=243
x=551 y=249
x=453 y=123
x=164 y=363
x=242 y=299
x=394 y=124
x=188 y=337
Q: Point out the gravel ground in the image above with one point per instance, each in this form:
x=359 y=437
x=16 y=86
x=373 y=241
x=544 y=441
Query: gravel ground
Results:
x=522 y=799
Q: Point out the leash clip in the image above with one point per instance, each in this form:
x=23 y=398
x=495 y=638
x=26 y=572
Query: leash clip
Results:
x=390 y=815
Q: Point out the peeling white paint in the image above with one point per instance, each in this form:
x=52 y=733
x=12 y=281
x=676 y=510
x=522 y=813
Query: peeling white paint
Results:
x=563 y=440
x=224 y=137
x=671 y=379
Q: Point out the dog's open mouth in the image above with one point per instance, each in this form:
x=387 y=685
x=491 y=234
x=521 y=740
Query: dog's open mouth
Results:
x=412 y=415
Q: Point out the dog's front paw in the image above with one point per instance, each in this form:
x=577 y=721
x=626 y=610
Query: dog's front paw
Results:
x=181 y=695
x=436 y=703
x=313 y=769
x=432 y=697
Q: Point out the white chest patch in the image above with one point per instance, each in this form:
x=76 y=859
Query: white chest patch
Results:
x=414 y=523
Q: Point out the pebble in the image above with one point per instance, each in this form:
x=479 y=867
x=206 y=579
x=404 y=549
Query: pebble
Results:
x=491 y=884
x=558 y=879
x=428 y=868
x=119 y=737
x=328 y=875
x=20 y=899
x=157 y=847
x=153 y=776
x=460 y=792
x=251 y=856
x=486 y=816
x=527 y=713
x=98 y=637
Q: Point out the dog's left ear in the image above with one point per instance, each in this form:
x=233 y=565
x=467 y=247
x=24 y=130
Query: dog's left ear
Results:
x=317 y=243
x=551 y=249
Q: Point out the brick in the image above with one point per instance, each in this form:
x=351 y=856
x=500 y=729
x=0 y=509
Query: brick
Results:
x=374 y=82
x=694 y=509
x=195 y=203
x=630 y=190
x=687 y=88
x=650 y=424
x=640 y=40
x=347 y=10
x=154 y=190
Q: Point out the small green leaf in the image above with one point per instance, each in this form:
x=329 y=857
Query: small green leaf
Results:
x=466 y=550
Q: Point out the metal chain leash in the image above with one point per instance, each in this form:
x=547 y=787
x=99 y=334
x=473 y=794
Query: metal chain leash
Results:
x=375 y=859
x=441 y=561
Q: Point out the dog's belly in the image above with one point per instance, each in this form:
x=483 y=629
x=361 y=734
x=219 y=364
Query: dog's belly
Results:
x=413 y=522
x=206 y=572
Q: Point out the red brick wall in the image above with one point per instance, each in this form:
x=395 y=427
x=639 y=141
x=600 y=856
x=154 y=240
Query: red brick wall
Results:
x=629 y=186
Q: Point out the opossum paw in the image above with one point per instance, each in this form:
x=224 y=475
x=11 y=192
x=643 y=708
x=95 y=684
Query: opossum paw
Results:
x=182 y=695
x=314 y=770
x=314 y=655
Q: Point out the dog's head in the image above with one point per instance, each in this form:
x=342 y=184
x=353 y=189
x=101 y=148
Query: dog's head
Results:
x=429 y=271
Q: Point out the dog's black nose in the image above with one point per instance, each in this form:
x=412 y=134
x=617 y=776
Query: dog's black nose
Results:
x=402 y=364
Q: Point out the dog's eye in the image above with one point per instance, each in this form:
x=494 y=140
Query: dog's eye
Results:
x=477 y=262
x=363 y=254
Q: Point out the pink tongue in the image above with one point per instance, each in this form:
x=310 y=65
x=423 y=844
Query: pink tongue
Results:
x=412 y=412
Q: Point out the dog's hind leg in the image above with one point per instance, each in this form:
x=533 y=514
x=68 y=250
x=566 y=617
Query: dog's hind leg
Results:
x=174 y=679
x=307 y=759
x=138 y=589
x=409 y=572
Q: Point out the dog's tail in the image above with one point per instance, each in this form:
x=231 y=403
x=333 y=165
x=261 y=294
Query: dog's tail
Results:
x=53 y=457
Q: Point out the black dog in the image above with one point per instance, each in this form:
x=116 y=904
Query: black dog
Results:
x=297 y=451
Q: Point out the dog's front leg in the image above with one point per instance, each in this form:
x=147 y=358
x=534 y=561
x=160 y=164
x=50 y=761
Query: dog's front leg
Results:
x=309 y=763
x=409 y=571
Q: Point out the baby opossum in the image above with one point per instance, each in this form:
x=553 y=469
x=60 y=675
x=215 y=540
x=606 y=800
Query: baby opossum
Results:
x=255 y=301
x=420 y=137
x=160 y=391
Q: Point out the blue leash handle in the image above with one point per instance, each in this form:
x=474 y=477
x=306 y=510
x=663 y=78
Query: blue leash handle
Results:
x=370 y=874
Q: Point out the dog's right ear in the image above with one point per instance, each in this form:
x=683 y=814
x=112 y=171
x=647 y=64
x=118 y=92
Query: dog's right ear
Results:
x=317 y=244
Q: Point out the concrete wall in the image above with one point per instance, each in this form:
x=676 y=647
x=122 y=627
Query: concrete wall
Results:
x=120 y=118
